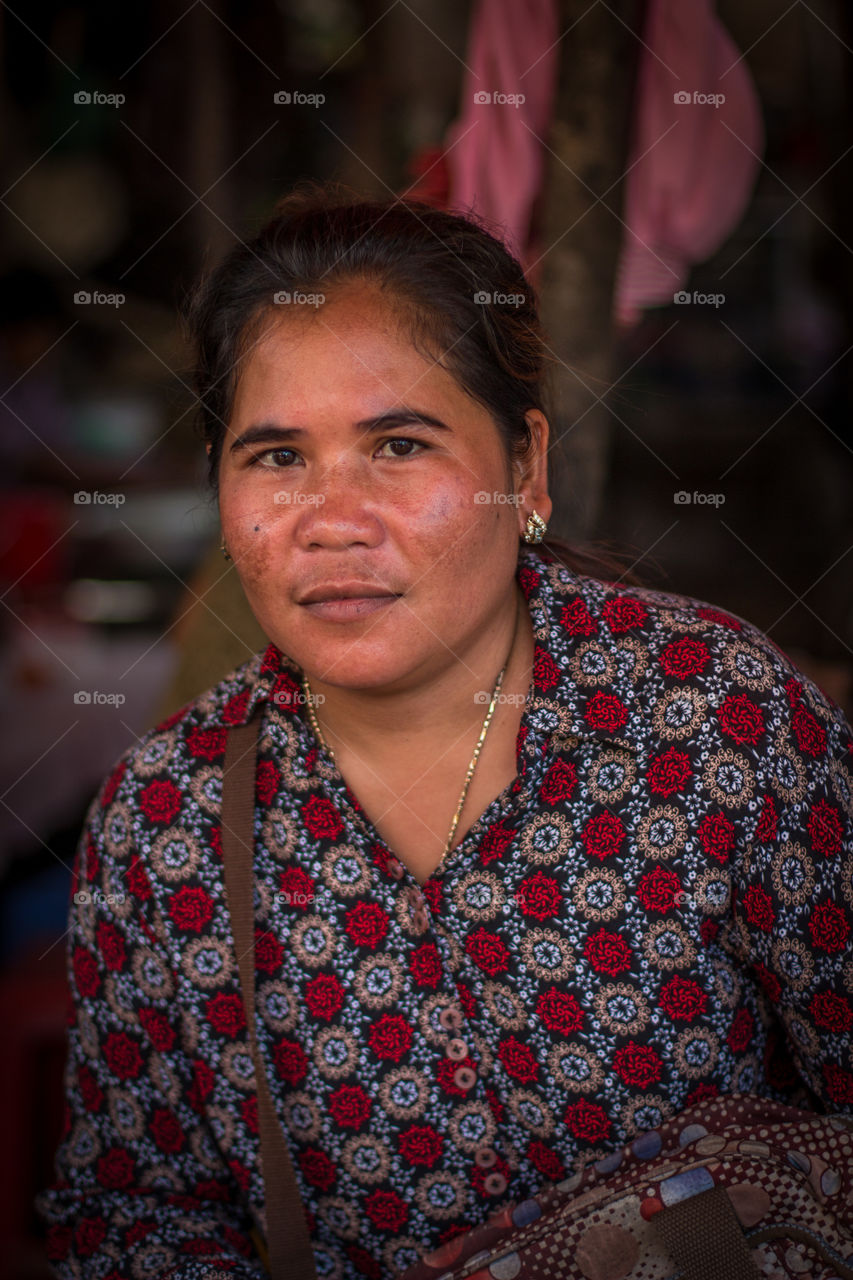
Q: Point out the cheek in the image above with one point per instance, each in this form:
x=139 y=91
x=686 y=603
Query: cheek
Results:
x=439 y=516
x=451 y=510
x=464 y=547
x=250 y=532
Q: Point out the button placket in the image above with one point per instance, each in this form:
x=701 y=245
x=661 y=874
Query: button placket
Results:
x=485 y=1157
x=450 y=1018
x=465 y=1078
x=417 y=909
x=456 y=1049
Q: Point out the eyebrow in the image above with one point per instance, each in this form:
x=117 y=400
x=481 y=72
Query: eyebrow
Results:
x=274 y=432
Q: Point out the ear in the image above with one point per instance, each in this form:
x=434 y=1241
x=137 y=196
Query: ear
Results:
x=532 y=471
x=207 y=448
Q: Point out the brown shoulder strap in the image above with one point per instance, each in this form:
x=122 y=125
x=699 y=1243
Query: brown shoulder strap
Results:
x=705 y=1239
x=290 y=1254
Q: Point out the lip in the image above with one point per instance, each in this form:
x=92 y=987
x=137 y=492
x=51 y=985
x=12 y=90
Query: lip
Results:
x=346 y=601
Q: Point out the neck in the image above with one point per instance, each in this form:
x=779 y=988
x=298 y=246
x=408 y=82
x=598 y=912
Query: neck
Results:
x=376 y=723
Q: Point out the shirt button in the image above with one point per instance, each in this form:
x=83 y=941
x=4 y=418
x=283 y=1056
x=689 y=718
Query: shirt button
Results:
x=495 y=1183
x=450 y=1018
x=420 y=919
x=457 y=1050
x=395 y=869
x=464 y=1078
x=485 y=1157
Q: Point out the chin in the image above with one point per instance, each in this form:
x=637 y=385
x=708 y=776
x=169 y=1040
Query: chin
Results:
x=337 y=655
x=349 y=671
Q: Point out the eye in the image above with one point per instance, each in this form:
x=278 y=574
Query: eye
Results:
x=402 y=447
x=283 y=458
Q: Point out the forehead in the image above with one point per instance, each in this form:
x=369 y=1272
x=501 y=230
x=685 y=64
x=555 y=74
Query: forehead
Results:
x=358 y=342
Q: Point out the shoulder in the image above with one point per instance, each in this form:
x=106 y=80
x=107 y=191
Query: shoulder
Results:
x=681 y=666
x=613 y=613
x=170 y=758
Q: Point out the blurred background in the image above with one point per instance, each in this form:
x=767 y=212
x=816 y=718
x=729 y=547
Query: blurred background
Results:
x=677 y=180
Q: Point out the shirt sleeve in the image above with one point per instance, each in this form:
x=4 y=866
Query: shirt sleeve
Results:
x=141 y=1188
x=793 y=887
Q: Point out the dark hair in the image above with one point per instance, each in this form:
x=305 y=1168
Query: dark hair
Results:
x=463 y=295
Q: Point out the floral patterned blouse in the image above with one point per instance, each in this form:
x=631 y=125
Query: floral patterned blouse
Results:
x=657 y=910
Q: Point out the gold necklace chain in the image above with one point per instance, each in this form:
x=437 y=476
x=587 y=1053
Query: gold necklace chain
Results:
x=309 y=702
x=472 y=766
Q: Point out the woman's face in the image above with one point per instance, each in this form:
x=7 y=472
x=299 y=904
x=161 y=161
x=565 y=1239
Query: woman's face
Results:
x=352 y=481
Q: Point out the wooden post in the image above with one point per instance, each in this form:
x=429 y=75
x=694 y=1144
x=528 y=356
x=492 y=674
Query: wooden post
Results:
x=580 y=241
x=209 y=134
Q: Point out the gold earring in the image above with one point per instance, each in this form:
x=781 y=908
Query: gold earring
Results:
x=534 y=529
x=224 y=549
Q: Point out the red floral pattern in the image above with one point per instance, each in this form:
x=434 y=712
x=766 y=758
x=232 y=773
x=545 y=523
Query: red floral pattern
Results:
x=420 y=1144
x=539 y=896
x=682 y=999
x=669 y=772
x=758 y=907
x=560 y=1011
x=587 y=1121
x=623 y=613
x=603 y=835
x=658 y=888
x=607 y=952
x=637 y=1064
x=618 y=937
x=605 y=711
x=559 y=782
x=717 y=835
x=826 y=829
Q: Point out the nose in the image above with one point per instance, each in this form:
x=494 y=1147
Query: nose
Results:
x=342 y=510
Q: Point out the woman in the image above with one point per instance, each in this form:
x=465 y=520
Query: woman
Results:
x=540 y=859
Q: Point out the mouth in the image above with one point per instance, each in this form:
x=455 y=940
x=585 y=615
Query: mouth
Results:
x=343 y=602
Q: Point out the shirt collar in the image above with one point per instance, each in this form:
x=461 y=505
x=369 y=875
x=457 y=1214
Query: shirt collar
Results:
x=570 y=614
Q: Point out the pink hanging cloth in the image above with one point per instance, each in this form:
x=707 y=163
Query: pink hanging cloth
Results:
x=694 y=156
x=492 y=159
x=692 y=164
